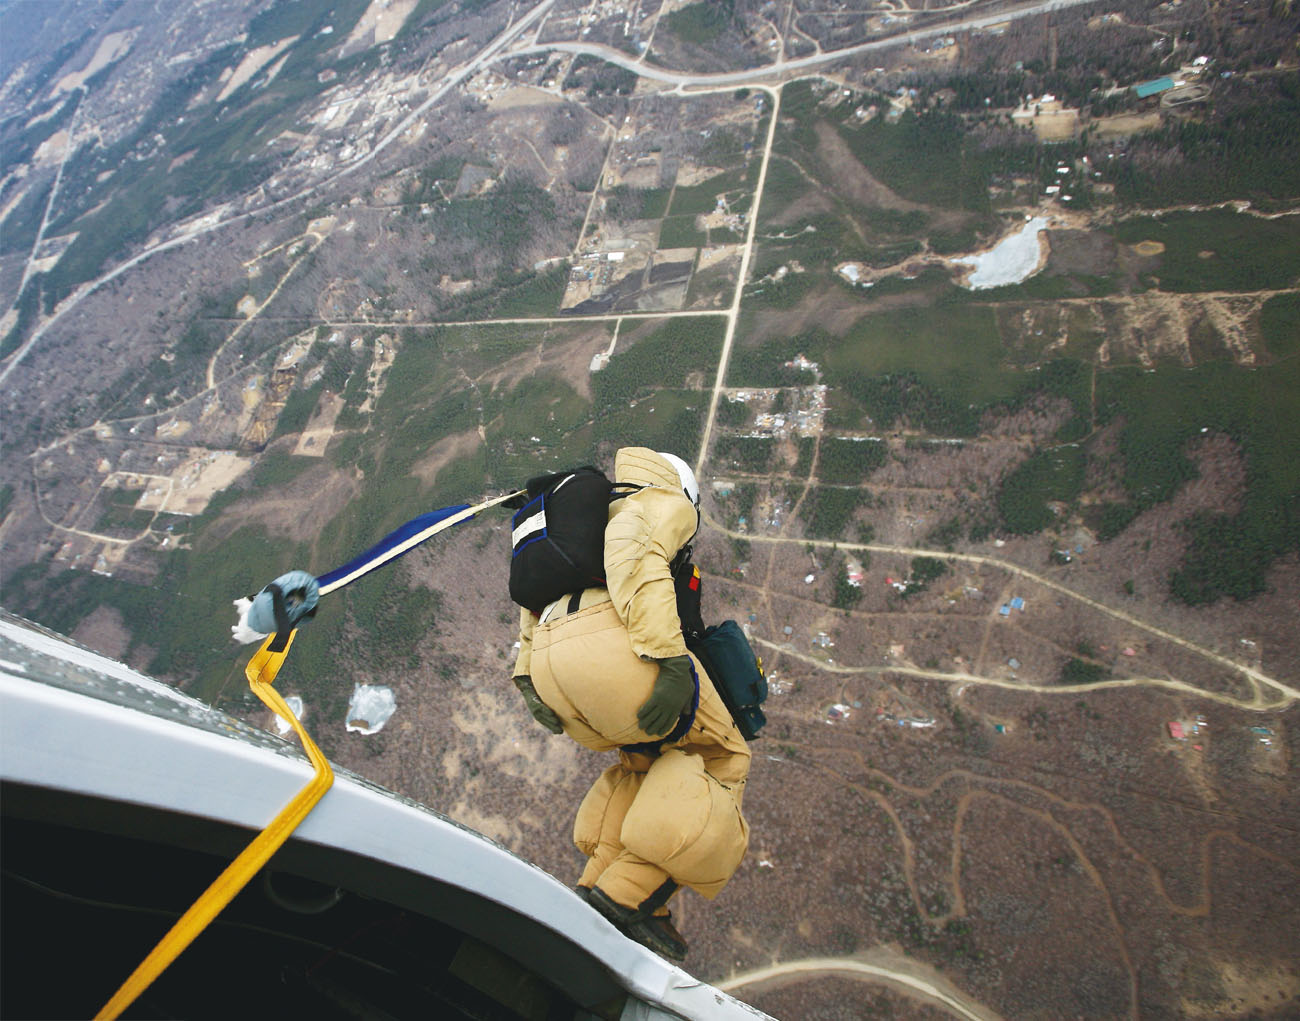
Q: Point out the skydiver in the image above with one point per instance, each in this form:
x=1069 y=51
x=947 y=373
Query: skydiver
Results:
x=610 y=668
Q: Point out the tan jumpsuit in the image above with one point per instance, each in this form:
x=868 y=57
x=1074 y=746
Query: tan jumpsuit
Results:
x=666 y=817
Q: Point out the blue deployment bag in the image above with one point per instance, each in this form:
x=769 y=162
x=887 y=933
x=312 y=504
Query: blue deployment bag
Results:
x=736 y=672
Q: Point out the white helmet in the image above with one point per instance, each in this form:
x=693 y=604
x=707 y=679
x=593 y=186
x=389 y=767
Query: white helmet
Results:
x=687 y=477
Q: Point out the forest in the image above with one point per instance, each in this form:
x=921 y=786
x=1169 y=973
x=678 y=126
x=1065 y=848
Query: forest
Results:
x=752 y=454
x=1248 y=149
x=700 y=22
x=659 y=361
x=1229 y=553
x=850 y=460
x=827 y=510
x=1050 y=475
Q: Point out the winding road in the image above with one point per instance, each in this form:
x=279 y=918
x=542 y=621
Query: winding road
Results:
x=1255 y=676
x=900 y=972
x=783 y=70
x=500 y=48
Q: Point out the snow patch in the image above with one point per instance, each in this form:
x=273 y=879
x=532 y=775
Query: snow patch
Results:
x=1012 y=260
x=283 y=726
x=371 y=707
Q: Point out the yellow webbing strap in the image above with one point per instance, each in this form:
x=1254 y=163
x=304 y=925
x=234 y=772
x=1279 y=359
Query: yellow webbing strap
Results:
x=261 y=671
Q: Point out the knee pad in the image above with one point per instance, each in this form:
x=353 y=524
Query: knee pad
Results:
x=687 y=823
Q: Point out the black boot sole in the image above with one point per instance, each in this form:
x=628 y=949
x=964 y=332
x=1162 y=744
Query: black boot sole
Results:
x=639 y=929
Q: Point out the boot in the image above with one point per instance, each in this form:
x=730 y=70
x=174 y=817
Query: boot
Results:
x=654 y=931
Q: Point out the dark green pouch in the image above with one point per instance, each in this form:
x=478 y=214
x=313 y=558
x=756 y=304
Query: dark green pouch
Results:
x=736 y=672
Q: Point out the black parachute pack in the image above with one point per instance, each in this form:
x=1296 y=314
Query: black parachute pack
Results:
x=558 y=534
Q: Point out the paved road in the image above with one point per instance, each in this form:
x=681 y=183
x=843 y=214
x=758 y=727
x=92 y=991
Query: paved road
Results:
x=785 y=69
x=500 y=47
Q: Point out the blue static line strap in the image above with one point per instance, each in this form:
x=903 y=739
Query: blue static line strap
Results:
x=383 y=551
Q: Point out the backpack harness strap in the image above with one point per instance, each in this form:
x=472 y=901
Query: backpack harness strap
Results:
x=283 y=626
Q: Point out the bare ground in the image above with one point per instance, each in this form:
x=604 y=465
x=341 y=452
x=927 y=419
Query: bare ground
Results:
x=444 y=452
x=569 y=359
x=852 y=179
x=834 y=308
x=105 y=631
x=316 y=436
x=298 y=511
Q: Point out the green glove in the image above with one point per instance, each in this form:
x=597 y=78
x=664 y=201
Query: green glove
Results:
x=674 y=688
x=542 y=713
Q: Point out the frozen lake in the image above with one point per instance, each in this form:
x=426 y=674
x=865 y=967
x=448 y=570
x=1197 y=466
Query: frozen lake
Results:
x=1010 y=261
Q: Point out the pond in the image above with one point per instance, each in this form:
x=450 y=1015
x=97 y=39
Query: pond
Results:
x=1012 y=260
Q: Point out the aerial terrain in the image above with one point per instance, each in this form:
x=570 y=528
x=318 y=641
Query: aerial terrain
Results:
x=979 y=319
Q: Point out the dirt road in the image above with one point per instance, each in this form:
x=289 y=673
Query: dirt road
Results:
x=733 y=314
x=878 y=965
x=1255 y=676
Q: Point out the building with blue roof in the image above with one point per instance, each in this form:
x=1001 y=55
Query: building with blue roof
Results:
x=1153 y=87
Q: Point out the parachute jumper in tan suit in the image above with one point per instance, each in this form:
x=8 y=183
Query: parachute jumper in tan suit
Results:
x=668 y=813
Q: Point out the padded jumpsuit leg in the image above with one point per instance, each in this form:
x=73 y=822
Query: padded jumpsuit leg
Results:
x=647 y=819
